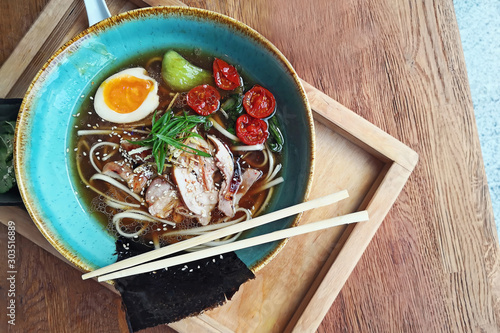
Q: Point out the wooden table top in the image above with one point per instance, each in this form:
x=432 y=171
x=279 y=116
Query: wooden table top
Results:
x=434 y=264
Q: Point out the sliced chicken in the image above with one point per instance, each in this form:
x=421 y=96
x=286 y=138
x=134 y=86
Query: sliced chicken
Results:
x=194 y=176
x=136 y=179
x=224 y=161
x=248 y=178
x=161 y=197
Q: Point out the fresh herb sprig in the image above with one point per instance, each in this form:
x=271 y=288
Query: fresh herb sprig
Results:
x=277 y=140
x=233 y=106
x=171 y=130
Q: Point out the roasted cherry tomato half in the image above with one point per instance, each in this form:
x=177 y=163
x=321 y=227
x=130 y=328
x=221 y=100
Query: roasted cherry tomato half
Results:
x=226 y=76
x=203 y=99
x=259 y=102
x=250 y=130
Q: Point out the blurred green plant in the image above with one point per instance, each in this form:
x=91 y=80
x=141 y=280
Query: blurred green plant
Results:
x=7 y=178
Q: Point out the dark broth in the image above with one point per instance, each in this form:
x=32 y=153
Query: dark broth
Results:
x=87 y=119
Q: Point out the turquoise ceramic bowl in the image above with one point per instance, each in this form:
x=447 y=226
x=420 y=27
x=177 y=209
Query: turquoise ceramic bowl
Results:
x=43 y=150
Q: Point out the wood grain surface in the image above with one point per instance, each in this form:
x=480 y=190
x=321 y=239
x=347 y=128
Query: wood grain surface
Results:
x=433 y=266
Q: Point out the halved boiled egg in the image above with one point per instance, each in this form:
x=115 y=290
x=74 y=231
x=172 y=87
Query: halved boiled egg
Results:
x=127 y=96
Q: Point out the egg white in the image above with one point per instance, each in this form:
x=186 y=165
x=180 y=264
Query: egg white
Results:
x=149 y=104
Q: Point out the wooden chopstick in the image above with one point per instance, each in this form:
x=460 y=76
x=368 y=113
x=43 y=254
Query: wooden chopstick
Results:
x=230 y=230
x=238 y=245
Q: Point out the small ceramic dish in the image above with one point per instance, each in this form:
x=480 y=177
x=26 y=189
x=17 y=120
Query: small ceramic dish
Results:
x=43 y=135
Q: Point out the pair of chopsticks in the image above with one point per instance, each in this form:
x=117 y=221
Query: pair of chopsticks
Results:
x=141 y=263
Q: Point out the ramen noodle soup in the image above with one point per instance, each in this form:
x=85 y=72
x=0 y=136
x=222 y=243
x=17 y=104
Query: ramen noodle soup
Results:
x=174 y=145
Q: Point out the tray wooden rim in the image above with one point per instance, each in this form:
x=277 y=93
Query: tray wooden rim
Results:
x=400 y=160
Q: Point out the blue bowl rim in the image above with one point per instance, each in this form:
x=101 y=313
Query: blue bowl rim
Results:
x=112 y=21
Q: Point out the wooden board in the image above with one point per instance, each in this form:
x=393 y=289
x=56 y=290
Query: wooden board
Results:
x=352 y=154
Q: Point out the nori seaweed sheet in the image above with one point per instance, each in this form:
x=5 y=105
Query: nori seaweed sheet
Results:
x=166 y=296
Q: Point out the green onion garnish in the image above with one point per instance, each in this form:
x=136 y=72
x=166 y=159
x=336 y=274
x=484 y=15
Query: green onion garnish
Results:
x=172 y=130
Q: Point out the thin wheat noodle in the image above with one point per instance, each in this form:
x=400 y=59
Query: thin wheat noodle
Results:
x=137 y=216
x=272 y=183
x=248 y=148
x=154 y=59
x=223 y=131
x=224 y=113
x=117 y=184
x=265 y=202
x=270 y=176
x=109 y=155
x=116 y=221
x=141 y=212
x=210 y=227
x=87 y=184
x=200 y=230
x=264 y=152
x=117 y=205
x=94 y=147
x=271 y=163
x=228 y=239
x=83 y=142
x=172 y=101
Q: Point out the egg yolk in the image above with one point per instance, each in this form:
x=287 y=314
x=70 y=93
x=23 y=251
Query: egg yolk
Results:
x=126 y=93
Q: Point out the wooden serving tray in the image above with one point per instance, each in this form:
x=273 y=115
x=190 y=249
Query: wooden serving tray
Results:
x=294 y=292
